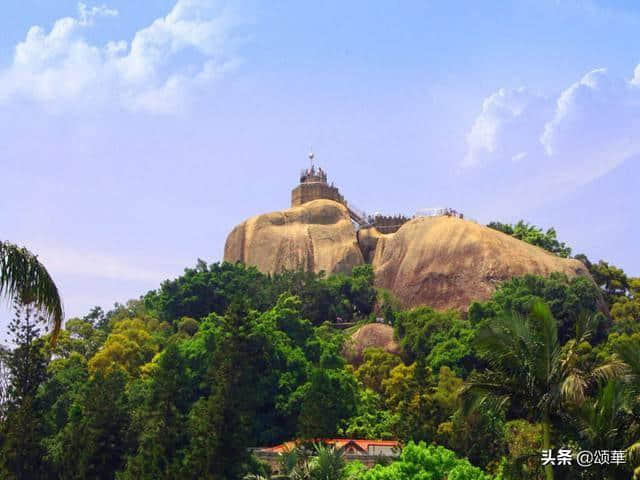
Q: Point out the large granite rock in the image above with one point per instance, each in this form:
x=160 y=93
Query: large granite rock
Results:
x=446 y=262
x=316 y=236
x=443 y=262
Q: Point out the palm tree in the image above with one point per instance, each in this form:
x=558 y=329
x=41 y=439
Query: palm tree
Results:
x=321 y=462
x=604 y=423
x=328 y=463
x=530 y=371
x=291 y=459
x=629 y=352
x=603 y=420
x=23 y=276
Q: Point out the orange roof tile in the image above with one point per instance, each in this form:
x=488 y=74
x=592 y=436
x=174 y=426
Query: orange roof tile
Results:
x=338 y=442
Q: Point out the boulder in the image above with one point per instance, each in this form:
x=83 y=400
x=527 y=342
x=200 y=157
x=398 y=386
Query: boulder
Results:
x=443 y=262
x=371 y=335
x=317 y=236
x=446 y=262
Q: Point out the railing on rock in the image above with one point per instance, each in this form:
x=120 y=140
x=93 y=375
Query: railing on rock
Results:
x=357 y=215
x=438 y=212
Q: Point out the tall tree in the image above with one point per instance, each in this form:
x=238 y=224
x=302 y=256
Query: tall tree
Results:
x=22 y=276
x=160 y=421
x=254 y=370
x=95 y=441
x=629 y=351
x=604 y=423
x=4 y=380
x=530 y=371
x=21 y=455
x=220 y=425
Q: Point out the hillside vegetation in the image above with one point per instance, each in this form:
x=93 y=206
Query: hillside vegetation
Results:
x=180 y=383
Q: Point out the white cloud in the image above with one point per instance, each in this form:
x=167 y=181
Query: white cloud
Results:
x=501 y=130
x=636 y=76
x=596 y=125
x=587 y=131
x=86 y=14
x=519 y=156
x=63 y=70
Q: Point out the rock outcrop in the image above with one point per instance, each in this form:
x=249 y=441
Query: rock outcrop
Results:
x=372 y=335
x=317 y=236
x=444 y=262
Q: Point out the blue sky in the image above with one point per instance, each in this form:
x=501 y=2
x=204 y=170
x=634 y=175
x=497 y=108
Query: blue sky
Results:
x=135 y=135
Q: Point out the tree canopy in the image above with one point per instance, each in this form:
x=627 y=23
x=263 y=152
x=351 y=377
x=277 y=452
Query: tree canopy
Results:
x=184 y=382
x=534 y=235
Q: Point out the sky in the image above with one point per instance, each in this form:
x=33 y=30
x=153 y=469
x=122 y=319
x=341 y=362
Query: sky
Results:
x=134 y=135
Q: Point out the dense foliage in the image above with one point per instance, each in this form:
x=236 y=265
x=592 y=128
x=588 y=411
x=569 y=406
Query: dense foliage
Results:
x=567 y=299
x=181 y=383
x=419 y=462
x=534 y=235
x=212 y=289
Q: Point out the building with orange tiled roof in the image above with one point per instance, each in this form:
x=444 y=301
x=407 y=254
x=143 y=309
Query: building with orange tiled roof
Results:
x=348 y=446
x=364 y=451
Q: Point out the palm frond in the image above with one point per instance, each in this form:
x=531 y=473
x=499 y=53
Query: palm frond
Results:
x=574 y=387
x=23 y=276
x=288 y=460
x=255 y=476
x=504 y=342
x=585 y=326
x=486 y=390
x=328 y=463
x=545 y=321
x=611 y=370
x=545 y=326
x=629 y=353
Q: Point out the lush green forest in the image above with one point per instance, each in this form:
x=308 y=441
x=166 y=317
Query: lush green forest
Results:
x=180 y=383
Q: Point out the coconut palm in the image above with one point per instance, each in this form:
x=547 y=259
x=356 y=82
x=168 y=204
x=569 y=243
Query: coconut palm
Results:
x=22 y=276
x=605 y=423
x=604 y=420
x=530 y=371
x=629 y=352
